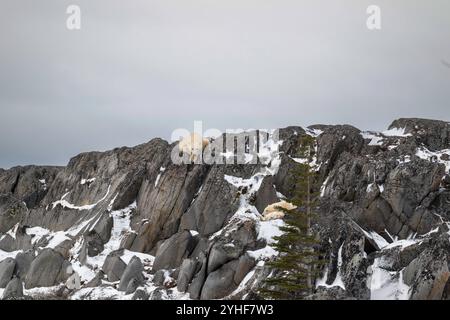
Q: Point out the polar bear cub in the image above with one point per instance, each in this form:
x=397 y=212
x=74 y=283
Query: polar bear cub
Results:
x=273 y=211
x=193 y=145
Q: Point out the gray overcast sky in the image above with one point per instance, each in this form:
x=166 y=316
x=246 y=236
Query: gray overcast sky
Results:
x=142 y=68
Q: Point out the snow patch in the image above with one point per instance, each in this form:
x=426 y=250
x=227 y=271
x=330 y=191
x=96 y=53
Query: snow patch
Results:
x=270 y=229
x=375 y=140
x=65 y=204
x=121 y=225
x=437 y=156
x=396 y=132
x=193 y=233
x=54 y=238
x=43 y=182
x=280 y=195
x=243 y=283
x=313 y=132
x=300 y=160
x=12 y=232
x=88 y=181
x=161 y=170
x=4 y=255
x=323 y=188
x=385 y=284
x=404 y=159
x=267 y=231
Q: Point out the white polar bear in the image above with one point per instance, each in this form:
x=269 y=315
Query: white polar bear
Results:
x=273 y=211
x=193 y=145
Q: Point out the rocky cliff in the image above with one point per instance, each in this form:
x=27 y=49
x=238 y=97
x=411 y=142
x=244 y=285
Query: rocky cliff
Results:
x=130 y=224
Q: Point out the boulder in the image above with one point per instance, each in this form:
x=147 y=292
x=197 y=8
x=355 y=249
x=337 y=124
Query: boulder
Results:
x=14 y=289
x=283 y=179
x=6 y=271
x=406 y=188
x=93 y=244
x=127 y=240
x=23 y=263
x=201 y=247
x=103 y=227
x=172 y=251
x=187 y=271
x=220 y=283
x=64 y=248
x=133 y=271
x=245 y=264
x=434 y=134
x=237 y=238
x=8 y=243
x=114 y=266
x=46 y=270
x=133 y=284
x=195 y=287
x=96 y=281
x=159 y=277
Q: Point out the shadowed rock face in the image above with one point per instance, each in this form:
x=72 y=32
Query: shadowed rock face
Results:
x=29 y=184
x=12 y=211
x=435 y=135
x=384 y=205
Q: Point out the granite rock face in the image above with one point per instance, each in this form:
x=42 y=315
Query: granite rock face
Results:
x=14 y=289
x=129 y=220
x=47 y=269
x=114 y=266
x=132 y=276
x=7 y=267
